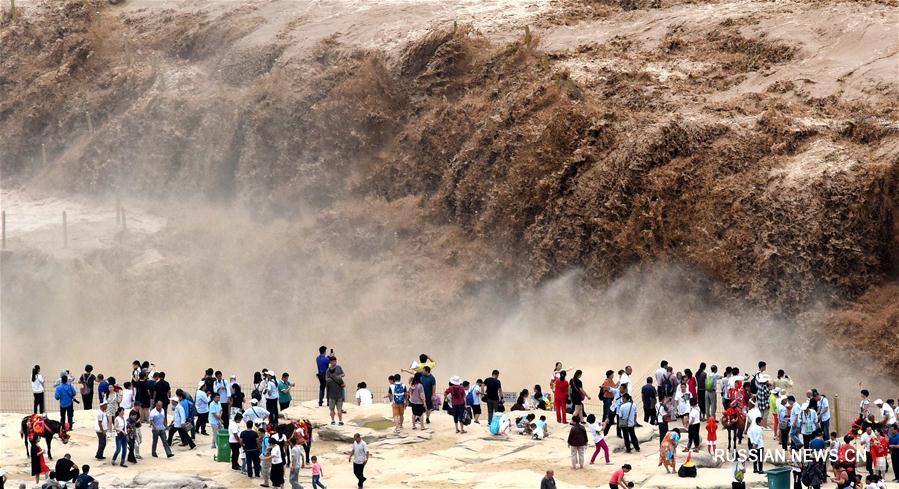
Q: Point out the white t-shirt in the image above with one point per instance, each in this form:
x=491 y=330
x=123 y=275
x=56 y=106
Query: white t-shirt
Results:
x=625 y=379
x=476 y=394
x=127 y=399
x=888 y=415
x=752 y=414
x=103 y=421
x=364 y=397
x=596 y=430
x=271 y=390
x=276 y=454
x=694 y=415
x=660 y=375
x=298 y=454
x=234 y=432
x=37 y=385
x=360 y=450
x=119 y=424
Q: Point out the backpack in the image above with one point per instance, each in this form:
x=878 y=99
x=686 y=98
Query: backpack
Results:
x=710 y=382
x=754 y=384
x=399 y=393
x=466 y=416
x=469 y=398
x=667 y=388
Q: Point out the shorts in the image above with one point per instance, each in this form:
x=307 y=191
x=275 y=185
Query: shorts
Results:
x=418 y=409
x=458 y=411
x=398 y=409
x=429 y=403
x=335 y=403
x=475 y=409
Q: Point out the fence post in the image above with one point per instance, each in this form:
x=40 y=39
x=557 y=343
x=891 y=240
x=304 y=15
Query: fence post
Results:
x=90 y=123
x=836 y=415
x=4 y=228
x=44 y=154
x=124 y=225
x=65 y=230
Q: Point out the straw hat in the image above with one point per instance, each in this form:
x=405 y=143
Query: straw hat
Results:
x=455 y=380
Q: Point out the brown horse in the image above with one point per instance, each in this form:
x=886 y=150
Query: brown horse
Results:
x=52 y=428
x=734 y=421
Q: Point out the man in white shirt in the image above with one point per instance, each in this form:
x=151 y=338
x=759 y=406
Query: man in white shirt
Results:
x=757 y=445
x=889 y=413
x=221 y=387
x=364 y=396
x=627 y=420
x=624 y=379
x=271 y=397
x=359 y=457
x=255 y=413
x=234 y=430
x=297 y=462
x=157 y=426
x=661 y=372
x=179 y=417
x=693 y=419
x=823 y=412
x=101 y=426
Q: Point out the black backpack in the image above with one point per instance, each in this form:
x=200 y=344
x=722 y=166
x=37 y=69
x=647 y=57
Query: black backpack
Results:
x=754 y=384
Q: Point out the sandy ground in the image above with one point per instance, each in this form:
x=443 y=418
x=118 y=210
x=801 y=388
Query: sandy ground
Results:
x=438 y=459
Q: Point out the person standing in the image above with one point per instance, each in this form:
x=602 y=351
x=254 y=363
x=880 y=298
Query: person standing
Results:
x=694 y=417
x=359 y=457
x=162 y=391
x=577 y=442
x=608 y=395
x=249 y=441
x=336 y=389
x=179 y=418
x=143 y=397
x=663 y=417
x=201 y=403
x=726 y=384
x=86 y=381
x=893 y=444
x=121 y=436
x=221 y=387
x=661 y=376
x=101 y=427
x=65 y=394
x=627 y=420
x=277 y=470
x=624 y=378
x=701 y=376
x=397 y=396
x=578 y=394
x=321 y=364
x=456 y=395
x=296 y=463
x=648 y=393
x=711 y=392
x=215 y=417
x=284 y=396
x=560 y=397
x=157 y=427
x=131 y=435
x=37 y=389
x=428 y=383
x=763 y=385
x=234 y=430
x=493 y=393
x=271 y=397
x=757 y=446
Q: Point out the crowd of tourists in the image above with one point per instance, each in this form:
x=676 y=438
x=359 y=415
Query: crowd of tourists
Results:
x=682 y=404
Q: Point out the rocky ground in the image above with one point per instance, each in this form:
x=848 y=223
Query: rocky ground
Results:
x=436 y=458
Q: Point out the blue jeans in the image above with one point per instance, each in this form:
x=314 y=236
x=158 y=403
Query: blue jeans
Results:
x=317 y=482
x=825 y=428
x=121 y=444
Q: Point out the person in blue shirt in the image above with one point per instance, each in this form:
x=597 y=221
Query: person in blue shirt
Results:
x=321 y=362
x=85 y=481
x=65 y=394
x=102 y=388
x=894 y=451
x=428 y=382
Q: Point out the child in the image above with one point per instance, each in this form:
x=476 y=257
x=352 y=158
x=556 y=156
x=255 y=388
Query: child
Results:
x=599 y=439
x=363 y=395
x=317 y=474
x=266 y=459
x=712 y=434
x=540 y=429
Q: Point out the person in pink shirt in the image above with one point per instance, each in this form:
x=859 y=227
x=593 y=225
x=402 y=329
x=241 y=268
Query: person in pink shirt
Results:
x=317 y=474
x=618 y=481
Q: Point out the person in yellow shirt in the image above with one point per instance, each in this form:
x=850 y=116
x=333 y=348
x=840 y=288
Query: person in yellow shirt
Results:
x=423 y=361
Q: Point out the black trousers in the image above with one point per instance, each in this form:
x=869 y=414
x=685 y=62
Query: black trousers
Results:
x=271 y=405
x=87 y=400
x=321 y=388
x=226 y=414
x=894 y=459
x=785 y=437
x=649 y=413
x=131 y=457
x=630 y=438
x=235 y=455
x=308 y=447
x=359 y=472
x=701 y=394
x=759 y=464
x=202 y=421
x=101 y=444
x=663 y=430
x=67 y=411
x=39 y=403
x=70 y=477
x=183 y=434
x=254 y=466
x=693 y=436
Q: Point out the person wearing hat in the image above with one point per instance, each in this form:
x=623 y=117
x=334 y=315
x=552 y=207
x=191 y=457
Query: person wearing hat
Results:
x=256 y=413
x=456 y=394
x=101 y=426
x=179 y=418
